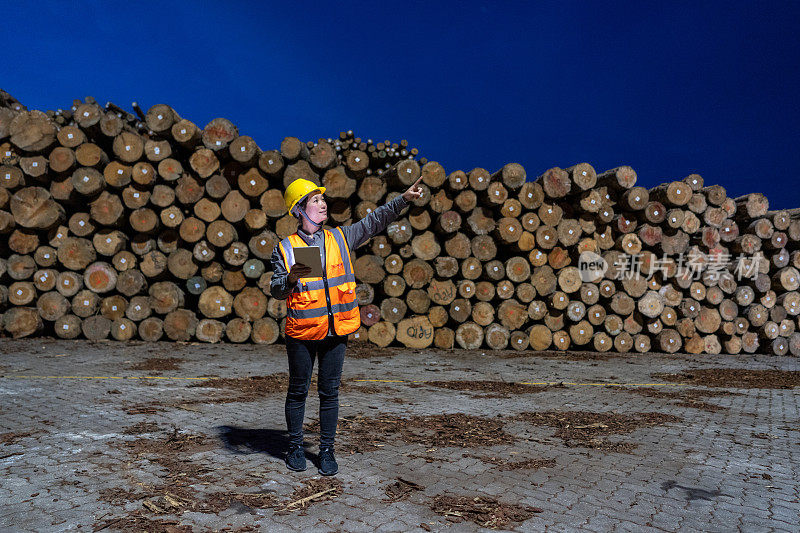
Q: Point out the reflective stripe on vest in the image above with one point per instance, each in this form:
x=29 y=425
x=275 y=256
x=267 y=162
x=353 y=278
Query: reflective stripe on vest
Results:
x=307 y=305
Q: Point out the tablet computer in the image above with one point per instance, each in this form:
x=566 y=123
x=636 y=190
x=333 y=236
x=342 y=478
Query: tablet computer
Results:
x=309 y=256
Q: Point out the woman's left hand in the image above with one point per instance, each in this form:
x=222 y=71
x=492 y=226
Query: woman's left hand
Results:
x=414 y=192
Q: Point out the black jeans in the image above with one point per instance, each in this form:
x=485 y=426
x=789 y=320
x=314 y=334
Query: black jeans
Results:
x=330 y=354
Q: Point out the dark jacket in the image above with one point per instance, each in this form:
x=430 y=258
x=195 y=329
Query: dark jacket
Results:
x=355 y=235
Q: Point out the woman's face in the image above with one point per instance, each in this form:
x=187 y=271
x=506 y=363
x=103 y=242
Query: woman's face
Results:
x=317 y=209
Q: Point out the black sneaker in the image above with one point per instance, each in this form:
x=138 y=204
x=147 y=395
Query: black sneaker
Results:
x=296 y=458
x=327 y=462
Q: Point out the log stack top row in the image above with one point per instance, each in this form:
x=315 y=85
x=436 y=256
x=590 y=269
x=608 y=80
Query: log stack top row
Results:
x=142 y=225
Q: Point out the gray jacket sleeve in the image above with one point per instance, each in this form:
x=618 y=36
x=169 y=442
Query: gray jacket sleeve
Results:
x=374 y=223
x=279 y=285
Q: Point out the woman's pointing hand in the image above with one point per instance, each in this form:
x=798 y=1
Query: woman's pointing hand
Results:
x=414 y=192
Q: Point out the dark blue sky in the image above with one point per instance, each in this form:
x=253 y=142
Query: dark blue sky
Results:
x=669 y=88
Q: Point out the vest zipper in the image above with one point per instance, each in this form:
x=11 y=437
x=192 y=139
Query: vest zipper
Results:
x=327 y=289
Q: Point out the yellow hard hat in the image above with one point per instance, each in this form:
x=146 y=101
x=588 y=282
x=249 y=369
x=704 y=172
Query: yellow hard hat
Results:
x=299 y=189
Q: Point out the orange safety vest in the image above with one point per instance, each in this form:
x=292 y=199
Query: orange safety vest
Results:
x=308 y=303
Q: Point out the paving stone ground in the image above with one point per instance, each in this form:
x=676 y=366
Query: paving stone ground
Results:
x=730 y=469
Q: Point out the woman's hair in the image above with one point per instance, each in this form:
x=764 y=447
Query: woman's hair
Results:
x=300 y=205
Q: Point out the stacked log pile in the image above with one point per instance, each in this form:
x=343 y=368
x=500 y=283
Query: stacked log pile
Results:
x=144 y=226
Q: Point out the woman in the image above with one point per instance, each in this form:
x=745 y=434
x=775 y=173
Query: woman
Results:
x=322 y=312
